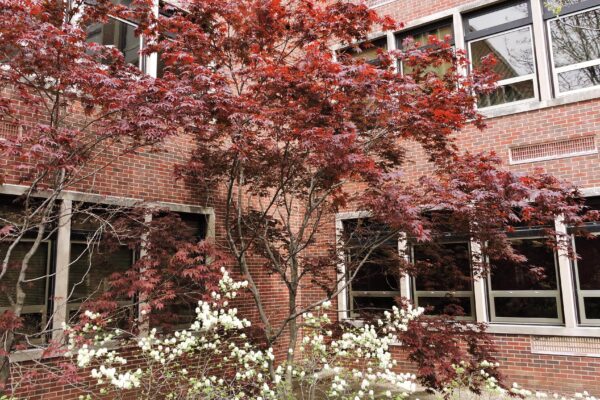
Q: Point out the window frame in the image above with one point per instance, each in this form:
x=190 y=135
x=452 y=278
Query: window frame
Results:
x=441 y=293
x=571 y=10
x=555 y=293
x=502 y=29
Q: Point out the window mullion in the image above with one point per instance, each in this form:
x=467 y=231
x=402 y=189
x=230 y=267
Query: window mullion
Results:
x=541 y=51
x=61 y=278
x=479 y=288
x=403 y=250
x=566 y=277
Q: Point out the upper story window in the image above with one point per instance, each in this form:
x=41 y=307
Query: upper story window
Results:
x=420 y=36
x=574 y=38
x=505 y=32
x=367 y=51
x=120 y=34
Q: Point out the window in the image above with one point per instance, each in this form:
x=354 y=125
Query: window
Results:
x=575 y=46
x=420 y=37
x=367 y=51
x=372 y=258
x=526 y=292
x=92 y=262
x=586 y=270
x=506 y=33
x=444 y=281
x=37 y=279
x=121 y=35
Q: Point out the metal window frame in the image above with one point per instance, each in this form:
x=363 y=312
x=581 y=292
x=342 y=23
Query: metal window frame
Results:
x=517 y=79
x=555 y=71
x=582 y=294
x=444 y=293
x=554 y=293
x=42 y=309
x=468 y=36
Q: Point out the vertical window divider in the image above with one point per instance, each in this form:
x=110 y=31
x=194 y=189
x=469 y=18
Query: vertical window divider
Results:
x=61 y=278
x=541 y=55
x=342 y=297
x=152 y=59
x=391 y=46
x=566 y=277
x=145 y=322
x=479 y=288
x=405 y=289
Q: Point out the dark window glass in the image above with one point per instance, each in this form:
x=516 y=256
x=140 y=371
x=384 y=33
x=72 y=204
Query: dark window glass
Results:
x=373 y=304
x=526 y=307
x=379 y=272
x=592 y=307
x=575 y=38
x=37 y=274
x=89 y=271
x=448 y=305
x=508 y=93
x=443 y=267
x=118 y=34
x=588 y=266
x=537 y=273
x=195 y=225
x=509 y=13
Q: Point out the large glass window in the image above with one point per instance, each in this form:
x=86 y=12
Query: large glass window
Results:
x=121 y=35
x=367 y=51
x=372 y=260
x=526 y=292
x=506 y=33
x=443 y=283
x=586 y=269
x=575 y=46
x=420 y=36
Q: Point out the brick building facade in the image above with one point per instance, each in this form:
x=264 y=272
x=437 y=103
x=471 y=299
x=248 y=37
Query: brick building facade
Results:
x=546 y=113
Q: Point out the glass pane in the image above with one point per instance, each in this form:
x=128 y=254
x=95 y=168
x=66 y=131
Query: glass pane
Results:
x=88 y=274
x=373 y=304
x=36 y=272
x=444 y=267
x=439 y=70
x=526 y=307
x=592 y=307
x=576 y=38
x=380 y=272
x=497 y=17
x=579 y=78
x=537 y=273
x=422 y=38
x=194 y=225
x=513 y=52
x=368 y=51
x=507 y=94
x=588 y=266
x=455 y=306
x=117 y=34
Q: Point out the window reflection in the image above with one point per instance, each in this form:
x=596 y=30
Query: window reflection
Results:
x=575 y=43
x=498 y=17
x=118 y=34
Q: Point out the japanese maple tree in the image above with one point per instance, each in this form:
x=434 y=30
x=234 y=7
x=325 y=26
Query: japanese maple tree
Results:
x=302 y=133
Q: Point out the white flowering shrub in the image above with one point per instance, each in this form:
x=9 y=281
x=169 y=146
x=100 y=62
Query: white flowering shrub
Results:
x=214 y=359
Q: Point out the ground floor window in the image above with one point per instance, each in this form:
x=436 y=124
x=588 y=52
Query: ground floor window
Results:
x=526 y=292
x=444 y=285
